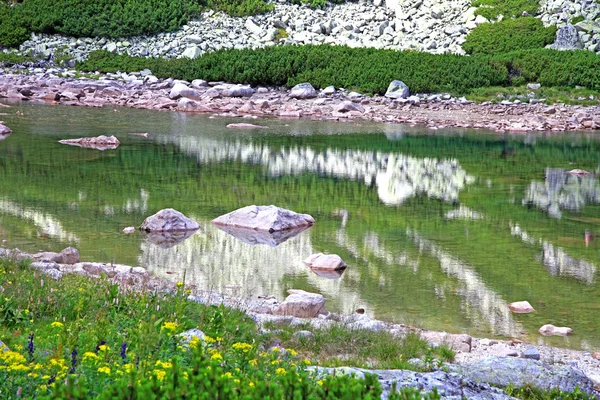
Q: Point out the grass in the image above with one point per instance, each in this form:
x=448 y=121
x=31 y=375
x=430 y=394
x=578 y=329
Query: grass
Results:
x=339 y=346
x=549 y=95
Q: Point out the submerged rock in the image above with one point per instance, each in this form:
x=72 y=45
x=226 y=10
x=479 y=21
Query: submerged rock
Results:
x=301 y=304
x=265 y=218
x=168 y=239
x=99 y=143
x=326 y=262
x=168 y=220
x=246 y=126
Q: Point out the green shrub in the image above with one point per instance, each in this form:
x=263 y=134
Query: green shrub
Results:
x=491 y=9
x=105 y=18
x=240 y=8
x=509 y=35
x=367 y=70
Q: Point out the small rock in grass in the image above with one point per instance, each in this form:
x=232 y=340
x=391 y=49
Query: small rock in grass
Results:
x=129 y=230
x=531 y=353
x=303 y=335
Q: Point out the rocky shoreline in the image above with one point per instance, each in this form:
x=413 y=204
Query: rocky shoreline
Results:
x=470 y=375
x=144 y=91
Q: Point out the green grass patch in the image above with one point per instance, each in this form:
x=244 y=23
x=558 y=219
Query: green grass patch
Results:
x=578 y=19
x=240 y=8
x=339 y=346
x=509 y=35
x=532 y=393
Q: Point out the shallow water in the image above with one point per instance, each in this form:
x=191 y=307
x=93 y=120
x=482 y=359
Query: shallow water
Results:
x=440 y=229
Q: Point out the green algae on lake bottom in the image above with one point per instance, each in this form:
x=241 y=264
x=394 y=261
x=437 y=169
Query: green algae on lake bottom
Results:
x=441 y=230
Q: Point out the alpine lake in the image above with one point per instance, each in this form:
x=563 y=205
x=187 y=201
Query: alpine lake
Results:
x=440 y=229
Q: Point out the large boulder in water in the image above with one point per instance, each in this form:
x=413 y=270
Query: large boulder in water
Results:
x=301 y=304
x=265 y=218
x=5 y=130
x=168 y=220
x=69 y=255
x=397 y=90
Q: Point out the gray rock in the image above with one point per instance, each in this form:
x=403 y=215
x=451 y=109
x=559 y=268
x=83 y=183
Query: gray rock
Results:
x=238 y=91
x=451 y=386
x=301 y=304
x=329 y=90
x=168 y=220
x=567 y=38
x=397 y=90
x=266 y=218
x=328 y=262
x=5 y=130
x=182 y=90
x=347 y=106
x=70 y=255
x=533 y=86
x=504 y=371
x=363 y=322
x=3 y=347
x=192 y=52
x=303 y=91
x=531 y=353
x=189 y=335
x=303 y=336
x=99 y=143
x=199 y=83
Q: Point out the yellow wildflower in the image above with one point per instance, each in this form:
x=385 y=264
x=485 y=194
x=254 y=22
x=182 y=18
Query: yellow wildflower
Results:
x=251 y=384
x=306 y=361
x=103 y=347
x=320 y=382
x=236 y=381
x=18 y=368
x=216 y=356
x=12 y=357
x=253 y=362
x=179 y=284
x=194 y=342
x=244 y=347
x=56 y=324
x=43 y=387
x=128 y=367
x=163 y=365
x=104 y=370
x=280 y=371
x=292 y=352
x=89 y=356
x=160 y=374
x=169 y=327
x=227 y=375
x=275 y=362
x=209 y=339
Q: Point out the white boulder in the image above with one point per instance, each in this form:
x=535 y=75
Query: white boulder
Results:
x=265 y=218
x=168 y=220
x=327 y=262
x=301 y=304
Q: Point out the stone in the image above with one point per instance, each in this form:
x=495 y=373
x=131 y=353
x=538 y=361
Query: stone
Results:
x=243 y=125
x=192 y=52
x=533 y=86
x=254 y=237
x=253 y=27
x=452 y=386
x=346 y=106
x=521 y=307
x=129 y=230
x=3 y=348
x=567 y=38
x=69 y=255
x=551 y=330
x=328 y=262
x=238 y=91
x=303 y=91
x=5 y=130
x=99 y=143
x=329 y=90
x=520 y=372
x=191 y=334
x=397 y=90
x=301 y=304
x=458 y=342
x=531 y=353
x=364 y=322
x=182 y=90
x=199 y=83
x=503 y=350
x=168 y=220
x=167 y=239
x=301 y=336
x=185 y=104
x=266 y=218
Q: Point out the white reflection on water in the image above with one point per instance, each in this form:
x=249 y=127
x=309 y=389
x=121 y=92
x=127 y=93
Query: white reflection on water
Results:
x=45 y=222
x=482 y=305
x=397 y=177
x=556 y=260
x=214 y=260
x=562 y=190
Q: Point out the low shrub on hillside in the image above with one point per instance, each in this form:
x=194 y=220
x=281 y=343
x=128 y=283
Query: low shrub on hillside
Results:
x=491 y=9
x=105 y=18
x=509 y=35
x=240 y=8
x=367 y=70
